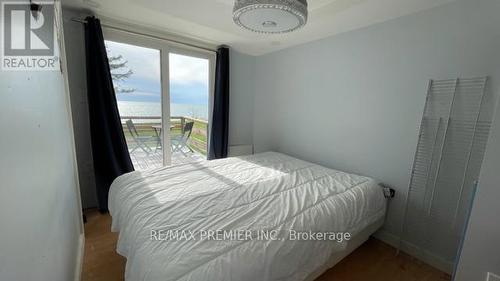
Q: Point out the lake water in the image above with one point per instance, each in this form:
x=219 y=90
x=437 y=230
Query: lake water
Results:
x=143 y=109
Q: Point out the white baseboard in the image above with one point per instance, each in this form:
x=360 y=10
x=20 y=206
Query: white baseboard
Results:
x=414 y=251
x=387 y=237
x=79 y=257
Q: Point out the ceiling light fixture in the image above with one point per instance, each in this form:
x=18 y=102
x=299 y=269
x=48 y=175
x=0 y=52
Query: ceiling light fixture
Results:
x=270 y=16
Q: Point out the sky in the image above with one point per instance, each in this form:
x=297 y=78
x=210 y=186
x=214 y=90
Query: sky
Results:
x=188 y=75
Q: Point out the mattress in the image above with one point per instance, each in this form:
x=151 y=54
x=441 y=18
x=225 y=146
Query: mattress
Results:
x=266 y=216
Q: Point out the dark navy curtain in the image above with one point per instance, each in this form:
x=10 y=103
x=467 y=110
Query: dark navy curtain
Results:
x=110 y=152
x=220 y=116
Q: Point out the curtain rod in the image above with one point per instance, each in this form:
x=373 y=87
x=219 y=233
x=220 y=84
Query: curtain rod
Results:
x=147 y=35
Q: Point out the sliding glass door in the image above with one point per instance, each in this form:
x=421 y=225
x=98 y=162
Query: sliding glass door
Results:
x=136 y=73
x=164 y=98
x=189 y=106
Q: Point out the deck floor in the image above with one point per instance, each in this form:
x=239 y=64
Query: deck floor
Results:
x=143 y=161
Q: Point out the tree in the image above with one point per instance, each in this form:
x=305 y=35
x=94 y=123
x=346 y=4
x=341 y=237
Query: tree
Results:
x=119 y=73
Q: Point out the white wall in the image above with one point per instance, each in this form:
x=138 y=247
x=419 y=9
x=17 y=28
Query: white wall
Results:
x=241 y=100
x=40 y=220
x=481 y=249
x=354 y=101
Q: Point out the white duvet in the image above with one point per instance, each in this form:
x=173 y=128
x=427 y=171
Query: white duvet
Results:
x=268 y=192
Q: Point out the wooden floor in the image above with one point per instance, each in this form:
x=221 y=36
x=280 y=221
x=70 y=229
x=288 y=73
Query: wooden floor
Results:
x=373 y=261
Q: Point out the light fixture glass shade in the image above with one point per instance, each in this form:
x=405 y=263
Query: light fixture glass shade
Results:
x=270 y=16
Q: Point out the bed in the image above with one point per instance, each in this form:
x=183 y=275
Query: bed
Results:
x=165 y=216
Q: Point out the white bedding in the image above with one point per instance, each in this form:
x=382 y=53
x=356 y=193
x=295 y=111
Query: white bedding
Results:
x=267 y=191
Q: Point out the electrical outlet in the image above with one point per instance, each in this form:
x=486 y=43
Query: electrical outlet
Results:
x=388 y=191
x=492 y=277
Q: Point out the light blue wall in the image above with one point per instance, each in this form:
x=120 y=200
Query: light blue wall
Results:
x=242 y=88
x=354 y=101
x=40 y=220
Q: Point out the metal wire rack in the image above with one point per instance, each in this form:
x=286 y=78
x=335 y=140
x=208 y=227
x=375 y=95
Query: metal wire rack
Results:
x=448 y=158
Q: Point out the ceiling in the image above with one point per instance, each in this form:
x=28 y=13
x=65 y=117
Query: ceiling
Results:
x=211 y=20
